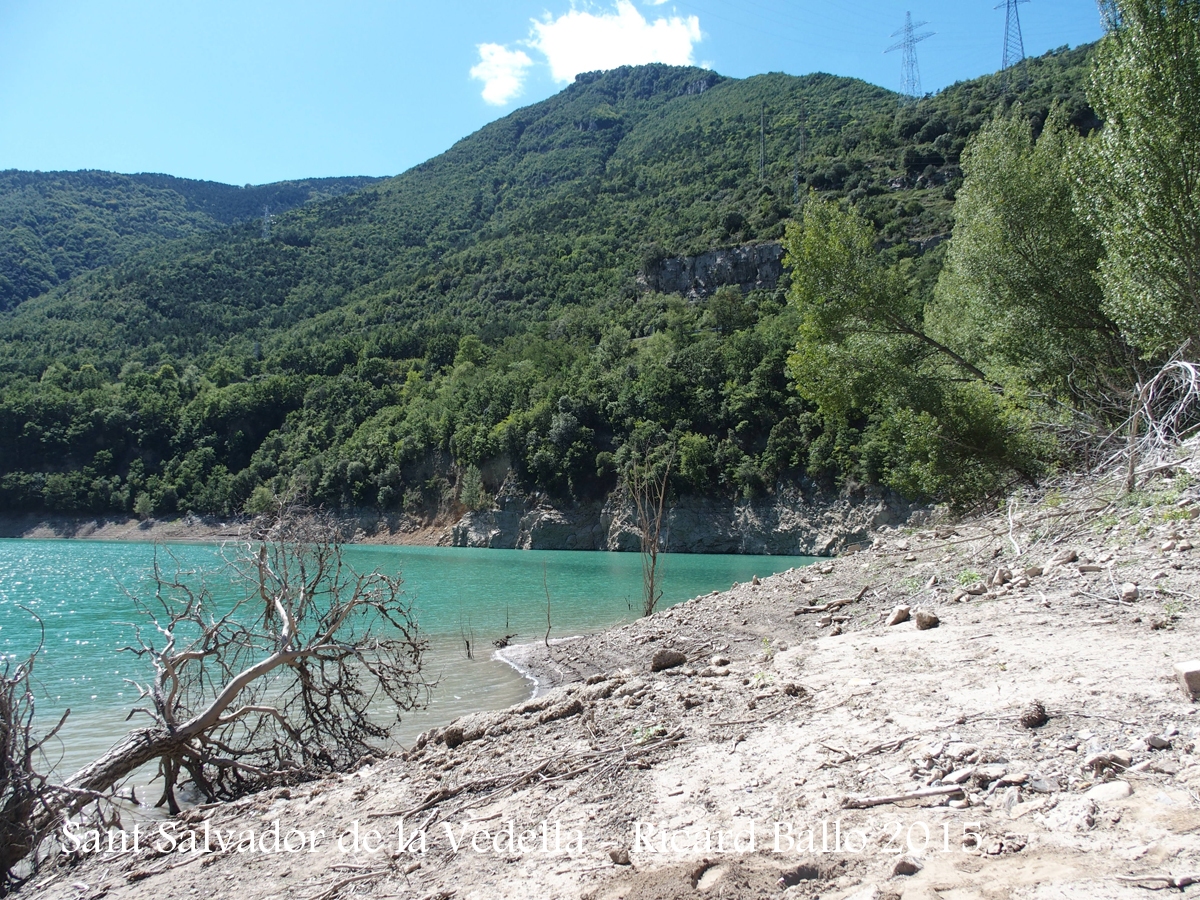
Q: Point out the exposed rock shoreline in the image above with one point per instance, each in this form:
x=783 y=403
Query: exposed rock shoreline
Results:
x=791 y=522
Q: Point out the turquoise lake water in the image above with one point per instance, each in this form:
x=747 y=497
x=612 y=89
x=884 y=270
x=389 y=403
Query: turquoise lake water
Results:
x=78 y=590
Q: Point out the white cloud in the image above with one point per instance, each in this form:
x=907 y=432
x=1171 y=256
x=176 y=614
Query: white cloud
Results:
x=580 y=41
x=502 y=72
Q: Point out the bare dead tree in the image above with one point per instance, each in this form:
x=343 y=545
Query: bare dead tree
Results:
x=25 y=819
x=647 y=479
x=546 y=588
x=287 y=666
x=1164 y=410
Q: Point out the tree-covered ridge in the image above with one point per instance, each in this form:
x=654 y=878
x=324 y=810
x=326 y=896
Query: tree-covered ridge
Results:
x=56 y=225
x=484 y=311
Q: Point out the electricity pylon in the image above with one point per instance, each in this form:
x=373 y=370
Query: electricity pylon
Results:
x=912 y=72
x=1014 y=44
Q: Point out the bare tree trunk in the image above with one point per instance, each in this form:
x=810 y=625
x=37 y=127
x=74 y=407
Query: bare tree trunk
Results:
x=276 y=686
x=649 y=490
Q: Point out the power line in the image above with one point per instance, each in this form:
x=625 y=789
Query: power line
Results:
x=266 y=223
x=912 y=72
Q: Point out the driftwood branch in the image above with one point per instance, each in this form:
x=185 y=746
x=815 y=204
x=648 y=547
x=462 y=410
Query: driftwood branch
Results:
x=832 y=605
x=869 y=802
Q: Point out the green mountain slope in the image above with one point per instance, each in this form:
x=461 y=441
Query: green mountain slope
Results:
x=485 y=309
x=56 y=225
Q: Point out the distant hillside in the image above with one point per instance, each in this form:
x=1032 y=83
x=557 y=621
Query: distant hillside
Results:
x=56 y=225
x=488 y=308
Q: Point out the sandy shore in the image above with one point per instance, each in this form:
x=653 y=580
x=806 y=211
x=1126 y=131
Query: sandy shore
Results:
x=782 y=739
x=195 y=529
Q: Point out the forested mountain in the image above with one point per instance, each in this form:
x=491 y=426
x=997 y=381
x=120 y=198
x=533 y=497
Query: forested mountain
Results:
x=56 y=225
x=488 y=309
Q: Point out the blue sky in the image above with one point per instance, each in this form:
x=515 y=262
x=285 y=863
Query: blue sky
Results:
x=263 y=90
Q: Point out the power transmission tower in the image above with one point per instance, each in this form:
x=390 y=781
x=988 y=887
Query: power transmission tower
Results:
x=912 y=73
x=1110 y=15
x=1014 y=44
x=266 y=226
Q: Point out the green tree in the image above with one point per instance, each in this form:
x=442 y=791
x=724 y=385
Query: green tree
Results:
x=1020 y=285
x=1140 y=177
x=472 y=494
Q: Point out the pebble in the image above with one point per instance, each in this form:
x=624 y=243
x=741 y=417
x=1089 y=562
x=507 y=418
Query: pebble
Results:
x=1062 y=558
x=1110 y=791
x=619 y=856
x=926 y=620
x=1130 y=592
x=899 y=614
x=905 y=866
x=666 y=659
x=1188 y=674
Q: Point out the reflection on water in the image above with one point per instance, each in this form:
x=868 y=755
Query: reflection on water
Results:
x=79 y=592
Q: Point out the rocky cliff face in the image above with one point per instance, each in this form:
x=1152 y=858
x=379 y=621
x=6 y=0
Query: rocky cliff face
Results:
x=790 y=523
x=751 y=267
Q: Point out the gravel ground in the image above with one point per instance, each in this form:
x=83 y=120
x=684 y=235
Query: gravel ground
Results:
x=1019 y=733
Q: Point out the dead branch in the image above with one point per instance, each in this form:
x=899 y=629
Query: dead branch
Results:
x=1165 y=881
x=299 y=666
x=869 y=802
x=833 y=604
x=884 y=747
x=335 y=889
x=648 y=485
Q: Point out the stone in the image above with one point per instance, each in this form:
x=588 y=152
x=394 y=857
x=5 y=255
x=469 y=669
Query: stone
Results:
x=562 y=711
x=899 y=614
x=1090 y=569
x=1109 y=792
x=1188 y=674
x=870 y=892
x=713 y=672
x=1034 y=572
x=1168 y=546
x=906 y=866
x=453 y=736
x=667 y=659
x=1034 y=715
x=1075 y=815
x=1157 y=742
x=959 y=776
x=719 y=661
x=926 y=620
x=620 y=856
x=1001 y=576
x=1119 y=760
x=1040 y=785
x=1130 y=592
x=1062 y=558
x=1184 y=547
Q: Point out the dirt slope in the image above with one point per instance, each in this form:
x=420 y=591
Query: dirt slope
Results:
x=737 y=773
